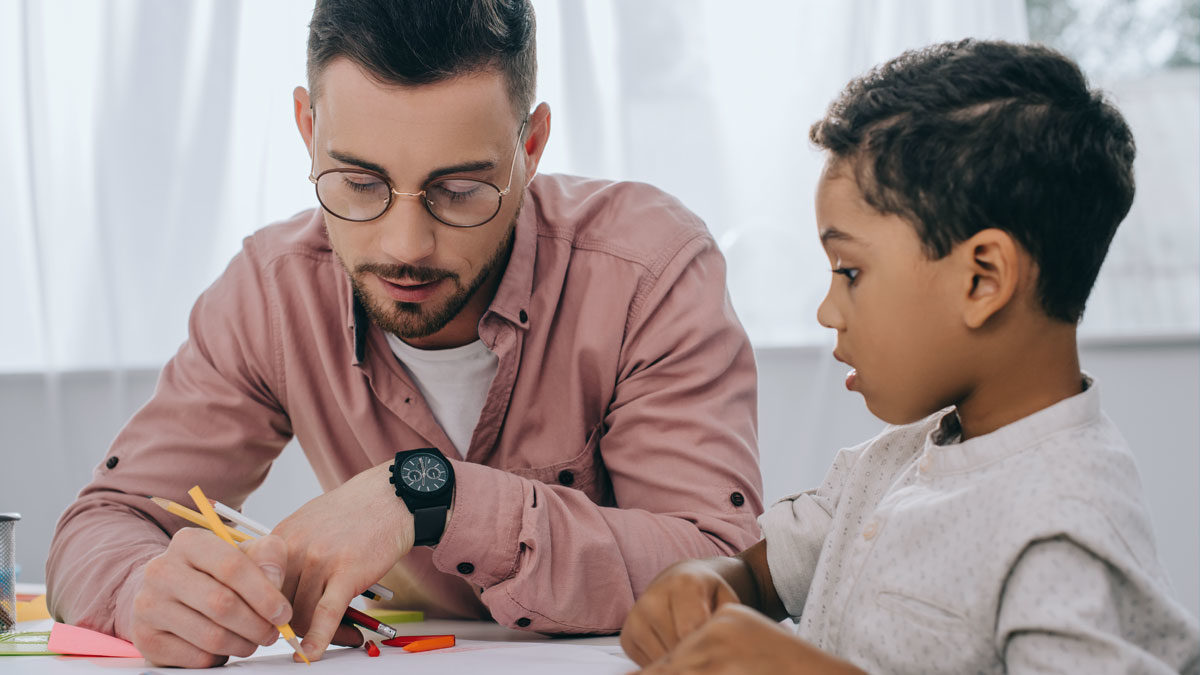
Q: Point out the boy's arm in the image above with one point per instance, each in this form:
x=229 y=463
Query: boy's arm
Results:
x=682 y=598
x=1066 y=609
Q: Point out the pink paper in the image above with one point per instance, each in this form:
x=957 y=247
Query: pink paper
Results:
x=76 y=641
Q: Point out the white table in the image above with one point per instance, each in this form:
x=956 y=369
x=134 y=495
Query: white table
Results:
x=483 y=647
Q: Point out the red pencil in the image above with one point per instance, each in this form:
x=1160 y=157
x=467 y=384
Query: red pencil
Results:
x=367 y=621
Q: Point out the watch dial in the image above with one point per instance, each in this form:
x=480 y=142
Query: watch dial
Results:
x=424 y=473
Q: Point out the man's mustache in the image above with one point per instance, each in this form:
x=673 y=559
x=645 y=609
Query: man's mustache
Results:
x=422 y=275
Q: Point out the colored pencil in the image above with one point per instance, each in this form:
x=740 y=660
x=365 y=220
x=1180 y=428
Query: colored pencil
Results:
x=218 y=528
x=369 y=622
x=374 y=592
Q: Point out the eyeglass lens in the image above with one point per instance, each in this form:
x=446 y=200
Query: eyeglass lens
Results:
x=356 y=195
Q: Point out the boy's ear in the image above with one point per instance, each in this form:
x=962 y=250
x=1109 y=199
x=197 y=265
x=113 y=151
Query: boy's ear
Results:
x=993 y=260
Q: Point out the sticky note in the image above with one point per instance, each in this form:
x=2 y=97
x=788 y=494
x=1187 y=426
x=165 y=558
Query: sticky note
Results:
x=76 y=641
x=397 y=615
x=32 y=610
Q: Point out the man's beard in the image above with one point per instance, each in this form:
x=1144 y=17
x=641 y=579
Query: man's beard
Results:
x=411 y=319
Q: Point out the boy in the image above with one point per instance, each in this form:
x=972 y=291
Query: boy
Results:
x=969 y=196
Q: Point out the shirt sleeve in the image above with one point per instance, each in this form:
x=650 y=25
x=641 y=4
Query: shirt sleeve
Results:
x=213 y=421
x=1066 y=610
x=795 y=528
x=679 y=445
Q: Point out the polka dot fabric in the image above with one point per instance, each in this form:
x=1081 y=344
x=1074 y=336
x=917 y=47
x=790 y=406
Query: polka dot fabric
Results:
x=1025 y=550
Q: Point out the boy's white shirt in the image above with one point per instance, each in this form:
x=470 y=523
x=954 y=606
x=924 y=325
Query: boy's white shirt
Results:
x=454 y=382
x=1025 y=550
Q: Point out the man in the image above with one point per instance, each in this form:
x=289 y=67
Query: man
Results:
x=524 y=397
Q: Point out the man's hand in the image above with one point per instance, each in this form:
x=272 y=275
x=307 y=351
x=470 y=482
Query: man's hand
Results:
x=679 y=601
x=202 y=601
x=740 y=640
x=338 y=545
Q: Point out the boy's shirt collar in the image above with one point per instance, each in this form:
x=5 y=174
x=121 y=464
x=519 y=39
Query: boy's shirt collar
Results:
x=945 y=452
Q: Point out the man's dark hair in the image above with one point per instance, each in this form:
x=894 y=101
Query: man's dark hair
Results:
x=964 y=136
x=414 y=42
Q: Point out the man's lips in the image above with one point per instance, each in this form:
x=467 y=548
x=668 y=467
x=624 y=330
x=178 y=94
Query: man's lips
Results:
x=407 y=290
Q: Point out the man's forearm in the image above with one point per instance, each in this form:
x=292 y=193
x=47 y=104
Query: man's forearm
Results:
x=98 y=550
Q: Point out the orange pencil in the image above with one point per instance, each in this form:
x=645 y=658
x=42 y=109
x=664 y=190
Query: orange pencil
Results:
x=437 y=642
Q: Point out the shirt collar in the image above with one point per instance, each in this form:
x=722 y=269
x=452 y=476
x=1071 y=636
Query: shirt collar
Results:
x=947 y=454
x=516 y=286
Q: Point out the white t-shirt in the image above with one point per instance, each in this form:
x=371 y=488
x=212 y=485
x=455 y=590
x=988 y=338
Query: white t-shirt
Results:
x=453 y=381
x=1028 y=549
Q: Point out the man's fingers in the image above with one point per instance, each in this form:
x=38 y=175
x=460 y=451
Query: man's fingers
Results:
x=325 y=620
x=213 y=617
x=270 y=554
x=347 y=635
x=237 y=572
x=310 y=586
x=165 y=649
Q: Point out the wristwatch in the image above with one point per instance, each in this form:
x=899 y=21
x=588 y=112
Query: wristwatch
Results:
x=424 y=479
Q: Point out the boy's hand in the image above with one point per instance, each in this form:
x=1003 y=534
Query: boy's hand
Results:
x=679 y=601
x=740 y=640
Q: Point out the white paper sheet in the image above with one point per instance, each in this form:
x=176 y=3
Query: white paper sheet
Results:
x=468 y=656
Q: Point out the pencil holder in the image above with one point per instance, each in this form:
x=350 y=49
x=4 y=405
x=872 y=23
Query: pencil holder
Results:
x=8 y=571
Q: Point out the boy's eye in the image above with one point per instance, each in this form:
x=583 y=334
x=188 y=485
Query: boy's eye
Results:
x=850 y=273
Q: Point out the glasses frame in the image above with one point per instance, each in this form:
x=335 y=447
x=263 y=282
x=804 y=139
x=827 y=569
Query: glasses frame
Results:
x=423 y=193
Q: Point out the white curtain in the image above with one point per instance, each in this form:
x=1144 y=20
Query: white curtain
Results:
x=143 y=139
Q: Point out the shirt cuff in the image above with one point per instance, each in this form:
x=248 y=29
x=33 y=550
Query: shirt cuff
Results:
x=795 y=530
x=481 y=542
x=123 y=602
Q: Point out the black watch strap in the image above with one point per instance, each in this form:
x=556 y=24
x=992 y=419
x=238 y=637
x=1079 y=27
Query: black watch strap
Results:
x=428 y=524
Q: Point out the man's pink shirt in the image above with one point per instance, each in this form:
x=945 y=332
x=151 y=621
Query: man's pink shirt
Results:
x=618 y=436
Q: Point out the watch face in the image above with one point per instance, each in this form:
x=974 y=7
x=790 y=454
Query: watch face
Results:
x=424 y=472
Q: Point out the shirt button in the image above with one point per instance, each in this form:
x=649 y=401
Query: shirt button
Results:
x=524 y=622
x=112 y=461
x=566 y=477
x=926 y=462
x=524 y=317
x=737 y=499
x=465 y=568
x=870 y=530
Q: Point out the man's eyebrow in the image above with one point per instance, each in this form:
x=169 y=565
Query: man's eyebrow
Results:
x=465 y=167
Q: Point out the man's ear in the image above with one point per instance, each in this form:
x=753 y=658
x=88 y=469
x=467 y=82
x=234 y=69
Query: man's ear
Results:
x=993 y=260
x=536 y=136
x=304 y=116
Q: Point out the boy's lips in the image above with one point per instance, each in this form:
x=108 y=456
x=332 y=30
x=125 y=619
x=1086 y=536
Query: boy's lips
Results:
x=852 y=376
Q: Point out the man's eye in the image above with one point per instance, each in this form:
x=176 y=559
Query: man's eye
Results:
x=361 y=183
x=455 y=189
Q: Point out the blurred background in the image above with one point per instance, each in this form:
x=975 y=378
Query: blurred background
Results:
x=140 y=140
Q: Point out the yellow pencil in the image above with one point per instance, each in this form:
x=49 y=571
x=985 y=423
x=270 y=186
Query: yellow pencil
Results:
x=214 y=523
x=190 y=515
x=374 y=592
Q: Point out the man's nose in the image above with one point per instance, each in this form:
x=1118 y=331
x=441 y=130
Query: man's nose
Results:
x=408 y=233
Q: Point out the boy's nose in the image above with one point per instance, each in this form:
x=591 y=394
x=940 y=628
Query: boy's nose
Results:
x=828 y=315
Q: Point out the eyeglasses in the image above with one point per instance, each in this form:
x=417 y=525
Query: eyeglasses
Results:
x=360 y=195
